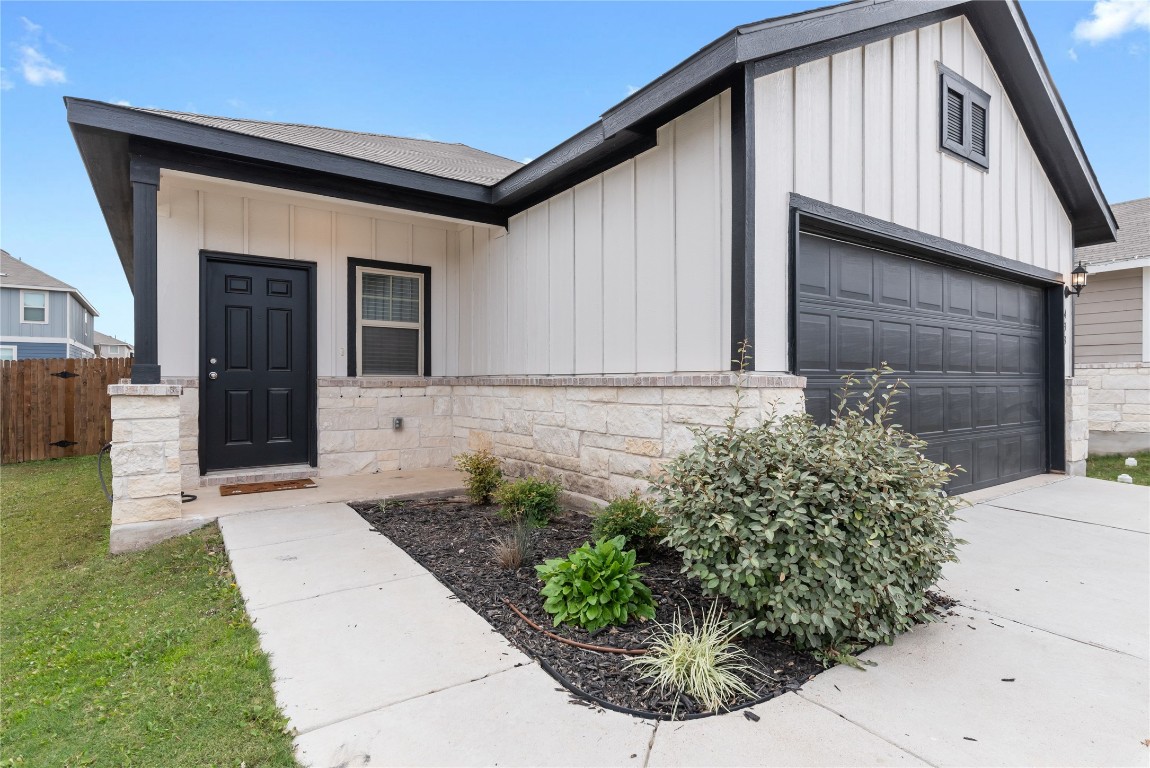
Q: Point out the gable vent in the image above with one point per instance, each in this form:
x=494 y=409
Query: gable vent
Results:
x=978 y=129
x=954 y=116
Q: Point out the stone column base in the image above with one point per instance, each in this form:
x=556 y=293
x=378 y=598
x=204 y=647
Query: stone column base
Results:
x=1077 y=425
x=145 y=452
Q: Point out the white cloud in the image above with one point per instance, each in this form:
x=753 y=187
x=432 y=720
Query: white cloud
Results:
x=34 y=66
x=38 y=69
x=123 y=103
x=1072 y=54
x=526 y=160
x=1113 y=18
x=632 y=89
x=6 y=83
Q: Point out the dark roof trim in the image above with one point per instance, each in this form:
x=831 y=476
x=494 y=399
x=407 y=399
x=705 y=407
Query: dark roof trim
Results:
x=823 y=218
x=109 y=117
x=1027 y=81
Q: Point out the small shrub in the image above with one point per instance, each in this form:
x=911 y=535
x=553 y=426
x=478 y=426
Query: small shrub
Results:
x=827 y=534
x=529 y=499
x=633 y=518
x=483 y=475
x=702 y=662
x=511 y=550
x=595 y=586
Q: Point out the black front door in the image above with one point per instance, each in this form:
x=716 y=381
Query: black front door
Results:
x=257 y=371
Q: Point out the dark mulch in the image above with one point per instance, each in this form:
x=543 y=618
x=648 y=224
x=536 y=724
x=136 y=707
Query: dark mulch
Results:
x=452 y=539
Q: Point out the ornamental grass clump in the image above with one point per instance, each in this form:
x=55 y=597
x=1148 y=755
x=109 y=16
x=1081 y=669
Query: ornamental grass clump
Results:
x=483 y=474
x=829 y=535
x=703 y=662
x=596 y=585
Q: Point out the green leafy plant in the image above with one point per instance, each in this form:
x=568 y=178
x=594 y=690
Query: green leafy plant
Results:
x=633 y=518
x=529 y=499
x=595 y=586
x=512 y=549
x=827 y=534
x=704 y=662
x=483 y=474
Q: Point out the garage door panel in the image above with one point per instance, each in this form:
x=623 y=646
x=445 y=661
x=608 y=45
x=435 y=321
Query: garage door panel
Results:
x=970 y=348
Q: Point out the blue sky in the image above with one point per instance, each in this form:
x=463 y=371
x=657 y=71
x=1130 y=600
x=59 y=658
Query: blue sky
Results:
x=510 y=78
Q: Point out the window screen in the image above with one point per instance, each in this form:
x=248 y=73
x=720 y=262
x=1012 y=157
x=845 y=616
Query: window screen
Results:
x=35 y=307
x=390 y=324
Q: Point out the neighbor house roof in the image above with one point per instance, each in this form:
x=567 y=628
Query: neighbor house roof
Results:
x=104 y=340
x=467 y=184
x=450 y=161
x=1133 y=242
x=18 y=274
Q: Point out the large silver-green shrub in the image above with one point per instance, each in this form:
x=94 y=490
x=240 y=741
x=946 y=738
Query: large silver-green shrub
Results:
x=827 y=534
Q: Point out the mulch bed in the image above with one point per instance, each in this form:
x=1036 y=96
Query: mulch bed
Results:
x=452 y=539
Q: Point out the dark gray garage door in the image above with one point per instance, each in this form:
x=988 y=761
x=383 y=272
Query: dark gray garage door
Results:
x=970 y=347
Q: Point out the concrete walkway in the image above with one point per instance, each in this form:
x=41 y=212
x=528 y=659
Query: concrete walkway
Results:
x=1046 y=664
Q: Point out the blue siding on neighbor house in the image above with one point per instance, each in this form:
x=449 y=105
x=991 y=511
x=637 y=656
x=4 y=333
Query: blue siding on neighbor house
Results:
x=78 y=352
x=56 y=327
x=81 y=333
x=30 y=350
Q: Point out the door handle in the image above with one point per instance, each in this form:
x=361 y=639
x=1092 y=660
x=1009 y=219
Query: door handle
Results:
x=213 y=375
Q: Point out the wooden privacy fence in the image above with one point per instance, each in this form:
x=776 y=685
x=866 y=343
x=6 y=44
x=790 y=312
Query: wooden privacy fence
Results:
x=54 y=408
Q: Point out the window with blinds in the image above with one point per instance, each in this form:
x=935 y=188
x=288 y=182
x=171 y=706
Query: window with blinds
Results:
x=389 y=338
x=964 y=119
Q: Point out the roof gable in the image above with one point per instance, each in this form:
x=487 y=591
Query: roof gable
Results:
x=18 y=274
x=1133 y=240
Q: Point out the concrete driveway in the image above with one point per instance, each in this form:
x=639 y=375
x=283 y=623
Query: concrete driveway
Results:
x=1044 y=663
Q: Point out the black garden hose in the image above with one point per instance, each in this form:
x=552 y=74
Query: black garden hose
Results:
x=184 y=497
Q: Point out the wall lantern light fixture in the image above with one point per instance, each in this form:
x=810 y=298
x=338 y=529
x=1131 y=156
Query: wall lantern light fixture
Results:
x=1077 y=281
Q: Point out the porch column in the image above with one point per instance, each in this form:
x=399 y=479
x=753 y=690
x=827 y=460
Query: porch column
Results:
x=145 y=177
x=743 y=213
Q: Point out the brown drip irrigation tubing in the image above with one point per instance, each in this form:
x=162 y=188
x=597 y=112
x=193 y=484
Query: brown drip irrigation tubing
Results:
x=576 y=643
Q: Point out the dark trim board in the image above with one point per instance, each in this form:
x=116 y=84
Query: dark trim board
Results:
x=313 y=359
x=1056 y=377
x=353 y=315
x=846 y=224
x=145 y=181
x=743 y=216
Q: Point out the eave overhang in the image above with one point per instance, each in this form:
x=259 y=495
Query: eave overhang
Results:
x=108 y=136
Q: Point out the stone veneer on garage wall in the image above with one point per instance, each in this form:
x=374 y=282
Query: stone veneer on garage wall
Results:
x=1119 y=406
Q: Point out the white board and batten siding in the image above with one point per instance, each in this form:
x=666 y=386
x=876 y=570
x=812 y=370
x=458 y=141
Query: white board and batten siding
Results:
x=197 y=213
x=628 y=272
x=860 y=130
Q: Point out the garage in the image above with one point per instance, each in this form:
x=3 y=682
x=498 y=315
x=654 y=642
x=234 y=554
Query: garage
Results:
x=970 y=345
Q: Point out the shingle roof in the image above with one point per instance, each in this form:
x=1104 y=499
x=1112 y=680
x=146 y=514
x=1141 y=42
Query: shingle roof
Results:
x=16 y=273
x=451 y=161
x=1133 y=241
x=104 y=339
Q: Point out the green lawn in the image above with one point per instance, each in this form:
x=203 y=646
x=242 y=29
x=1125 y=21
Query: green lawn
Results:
x=1110 y=467
x=146 y=659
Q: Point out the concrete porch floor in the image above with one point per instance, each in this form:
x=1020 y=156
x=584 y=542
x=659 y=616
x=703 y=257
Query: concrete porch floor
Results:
x=209 y=505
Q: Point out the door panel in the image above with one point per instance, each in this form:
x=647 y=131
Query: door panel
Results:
x=257 y=330
x=970 y=347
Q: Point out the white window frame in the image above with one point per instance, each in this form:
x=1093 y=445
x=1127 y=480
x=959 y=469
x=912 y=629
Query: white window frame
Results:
x=12 y=347
x=361 y=323
x=23 y=306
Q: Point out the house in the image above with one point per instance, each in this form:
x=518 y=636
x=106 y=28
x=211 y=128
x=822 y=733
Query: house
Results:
x=874 y=181
x=110 y=346
x=40 y=316
x=1112 y=334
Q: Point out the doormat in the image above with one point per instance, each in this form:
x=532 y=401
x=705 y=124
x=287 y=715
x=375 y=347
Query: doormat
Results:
x=239 y=489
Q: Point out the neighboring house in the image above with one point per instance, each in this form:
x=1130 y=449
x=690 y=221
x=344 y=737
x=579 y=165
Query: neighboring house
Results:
x=1112 y=334
x=40 y=316
x=110 y=346
x=876 y=181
